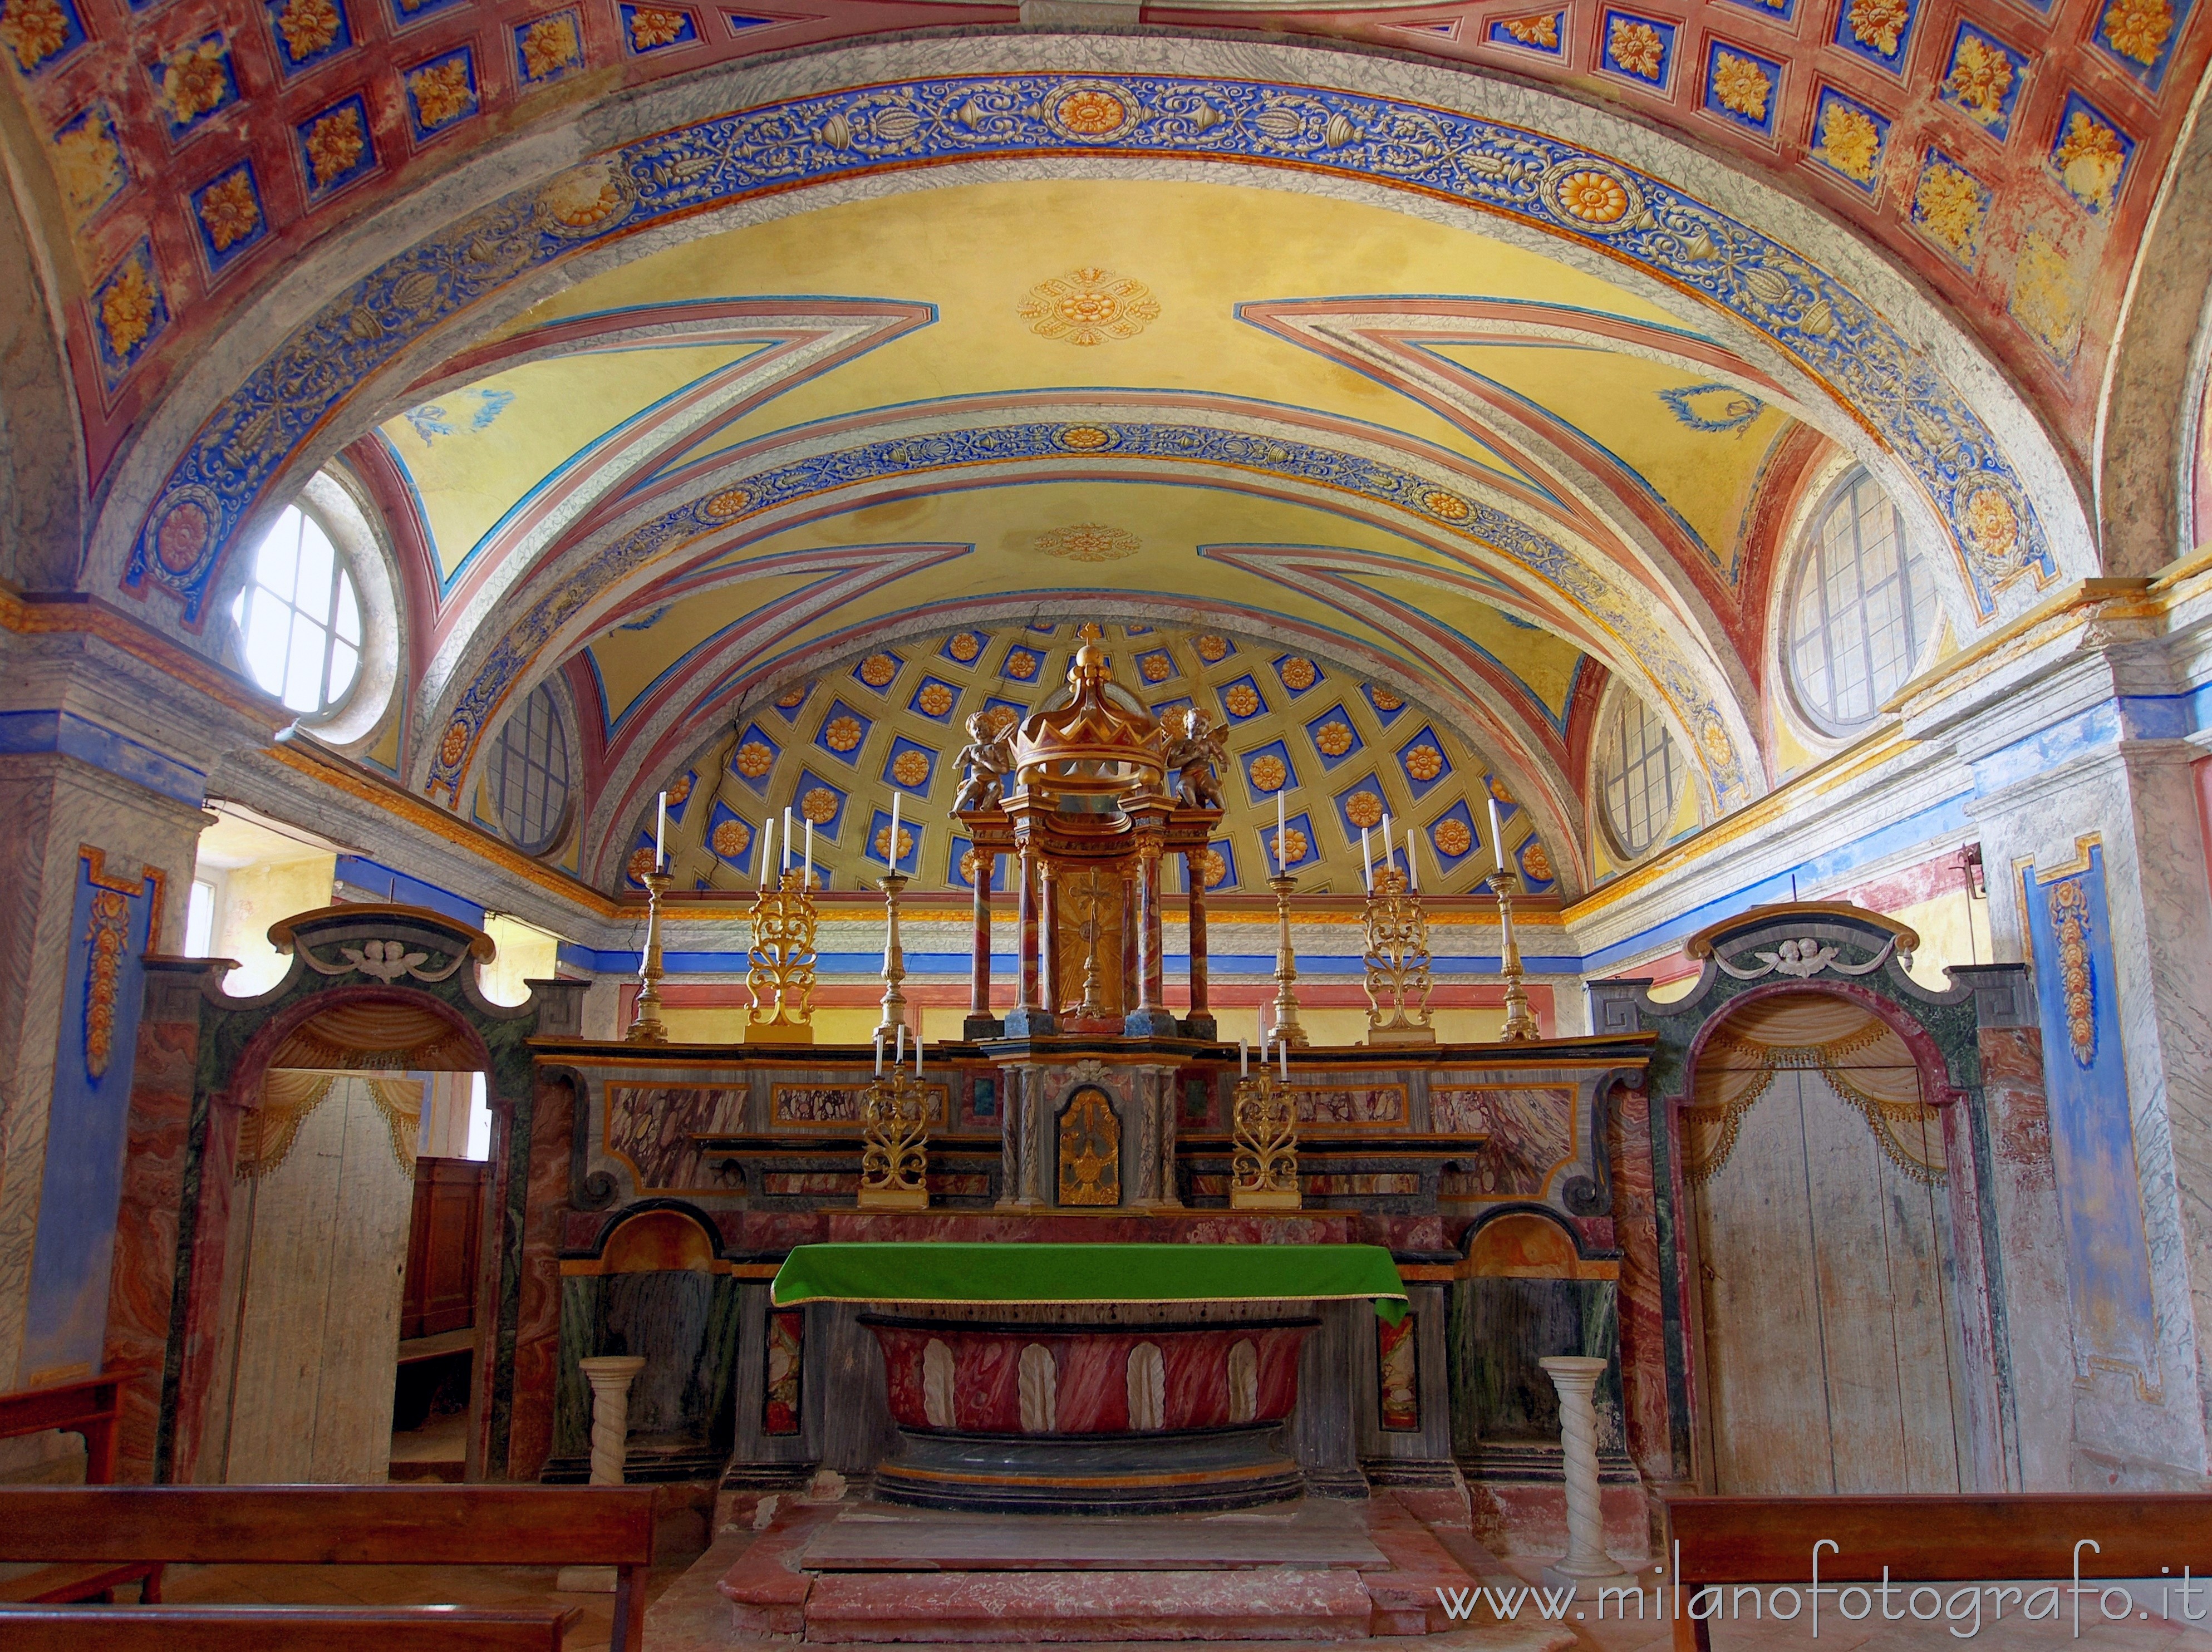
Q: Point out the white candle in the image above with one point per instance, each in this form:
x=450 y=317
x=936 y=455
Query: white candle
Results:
x=1283 y=1049
x=787 y=841
x=1282 y=857
x=1244 y=1059
x=917 y=1052
x=890 y=848
x=1390 y=847
x=900 y=1053
x=1412 y=871
x=1497 y=837
x=660 y=837
x=879 y=1053
x=1367 y=859
x=807 y=880
x=767 y=845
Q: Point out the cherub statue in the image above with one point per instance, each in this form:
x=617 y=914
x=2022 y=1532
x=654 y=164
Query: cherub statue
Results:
x=988 y=758
x=1195 y=747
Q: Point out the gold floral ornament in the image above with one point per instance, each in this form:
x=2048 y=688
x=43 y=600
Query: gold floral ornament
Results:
x=455 y=743
x=1595 y=197
x=1981 y=75
x=1090 y=112
x=1294 y=843
x=1212 y=868
x=549 y=46
x=89 y=163
x=2046 y=294
x=1452 y=838
x=641 y=862
x=1849 y=141
x=793 y=697
x=334 y=144
x=910 y=767
x=1741 y=85
x=1242 y=700
x=442 y=92
x=679 y=791
x=843 y=734
x=651 y=25
x=1021 y=663
x=884 y=843
x=1089 y=542
x=1880 y=23
x=730 y=838
x=876 y=670
x=1085 y=437
x=1333 y=740
x=754 y=759
x=307 y=26
x=1536 y=30
x=1363 y=809
x=585 y=198
x=2138 y=28
x=1948 y=205
x=34 y=30
x=966 y=646
x=1536 y=862
x=1212 y=649
x=1088 y=305
x=1449 y=506
x=195 y=80
x=1269 y=772
x=729 y=502
x=1992 y=525
x=935 y=698
x=127 y=309
x=2090 y=158
x=1636 y=49
x=230 y=211
x=1155 y=668
x=1299 y=672
x=818 y=806
x=971 y=864
x=1000 y=719
x=1384 y=699
x=1425 y=762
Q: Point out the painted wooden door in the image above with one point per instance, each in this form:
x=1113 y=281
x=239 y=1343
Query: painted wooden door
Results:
x=1829 y=1360
x=319 y=1304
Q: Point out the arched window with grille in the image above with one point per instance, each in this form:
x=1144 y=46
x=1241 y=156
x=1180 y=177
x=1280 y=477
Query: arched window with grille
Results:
x=529 y=773
x=1639 y=772
x=1862 y=608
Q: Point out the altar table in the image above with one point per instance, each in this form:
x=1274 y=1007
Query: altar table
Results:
x=1091 y=1378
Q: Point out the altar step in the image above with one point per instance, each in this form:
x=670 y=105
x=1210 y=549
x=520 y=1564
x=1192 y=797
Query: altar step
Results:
x=1313 y=1572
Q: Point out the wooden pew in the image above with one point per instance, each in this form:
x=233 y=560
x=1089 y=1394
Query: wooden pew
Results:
x=344 y=1525
x=91 y=1407
x=1954 y=1541
x=284 y=1629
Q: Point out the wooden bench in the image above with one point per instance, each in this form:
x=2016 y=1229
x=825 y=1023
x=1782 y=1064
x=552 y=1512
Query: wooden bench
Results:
x=1715 y=1541
x=344 y=1526
x=284 y=1629
x=91 y=1407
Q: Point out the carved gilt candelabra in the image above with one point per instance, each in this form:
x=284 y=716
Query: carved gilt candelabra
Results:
x=781 y=972
x=1397 y=960
x=1286 y=1027
x=894 y=1016
x=895 y=1143
x=1263 y=1165
x=1520 y=1023
x=645 y=1025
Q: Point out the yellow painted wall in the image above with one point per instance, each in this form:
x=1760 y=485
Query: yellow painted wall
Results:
x=257 y=896
x=525 y=954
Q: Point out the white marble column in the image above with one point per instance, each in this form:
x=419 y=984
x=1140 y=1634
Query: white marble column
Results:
x=1586 y=1561
x=609 y=1376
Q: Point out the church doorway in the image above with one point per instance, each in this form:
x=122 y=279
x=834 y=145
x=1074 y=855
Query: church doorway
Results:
x=354 y=1256
x=1823 y=1258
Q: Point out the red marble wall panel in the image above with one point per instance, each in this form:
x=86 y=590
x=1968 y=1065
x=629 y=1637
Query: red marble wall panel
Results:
x=1643 y=1336
x=538 y=1324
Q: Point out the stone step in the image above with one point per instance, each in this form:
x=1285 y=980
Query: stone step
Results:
x=1260 y=1604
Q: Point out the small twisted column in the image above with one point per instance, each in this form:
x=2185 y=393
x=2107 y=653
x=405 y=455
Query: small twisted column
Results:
x=1576 y=1378
x=609 y=1376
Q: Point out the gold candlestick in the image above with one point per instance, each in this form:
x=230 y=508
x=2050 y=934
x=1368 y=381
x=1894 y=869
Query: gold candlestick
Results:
x=1520 y=1023
x=894 y=962
x=1286 y=1026
x=781 y=972
x=1263 y=1165
x=895 y=1143
x=1397 y=960
x=645 y=1025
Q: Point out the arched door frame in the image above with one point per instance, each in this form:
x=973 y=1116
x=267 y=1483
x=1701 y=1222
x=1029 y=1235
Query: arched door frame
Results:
x=1842 y=951
x=342 y=957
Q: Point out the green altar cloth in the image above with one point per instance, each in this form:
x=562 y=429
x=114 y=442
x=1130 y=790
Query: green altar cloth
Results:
x=1047 y=1273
